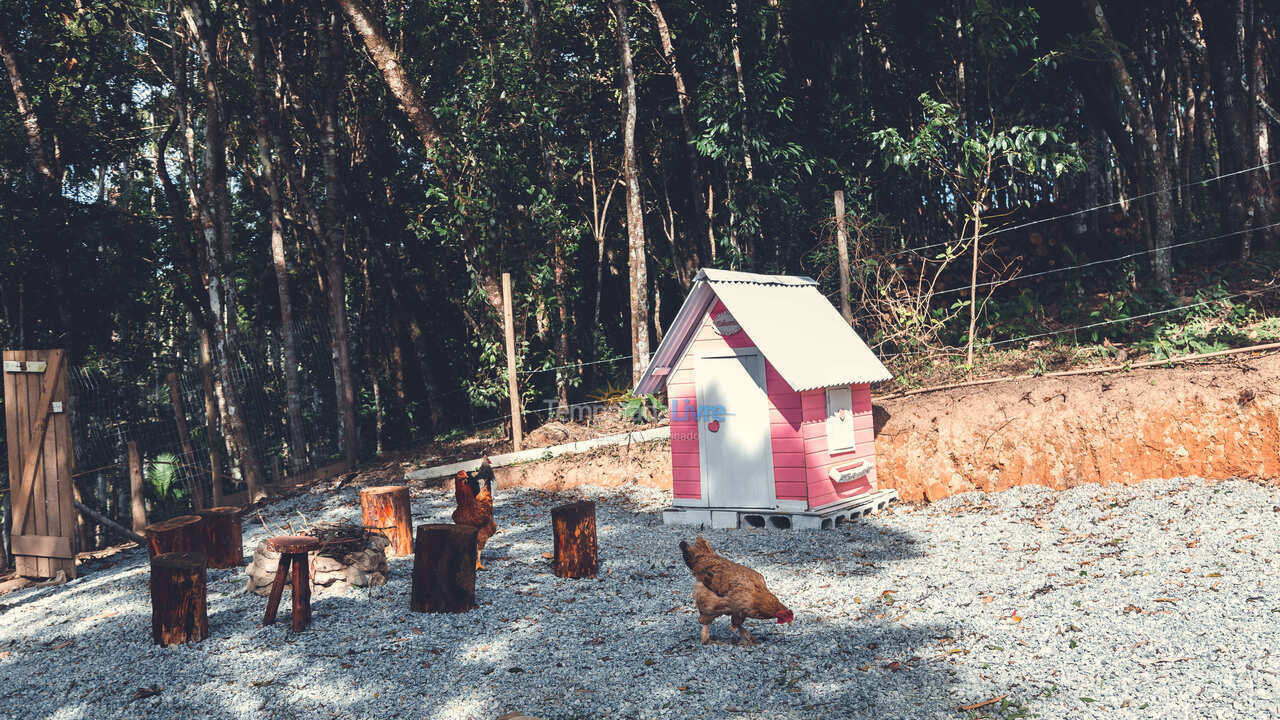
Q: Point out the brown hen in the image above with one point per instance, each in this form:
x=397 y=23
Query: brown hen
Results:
x=723 y=587
x=475 y=504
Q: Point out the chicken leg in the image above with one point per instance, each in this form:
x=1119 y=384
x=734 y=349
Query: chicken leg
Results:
x=743 y=634
x=706 y=628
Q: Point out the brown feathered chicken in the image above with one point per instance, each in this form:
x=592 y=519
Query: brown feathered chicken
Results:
x=723 y=587
x=475 y=504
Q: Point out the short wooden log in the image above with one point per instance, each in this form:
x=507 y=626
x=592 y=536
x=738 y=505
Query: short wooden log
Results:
x=444 y=569
x=179 y=605
x=184 y=533
x=574 y=527
x=385 y=510
x=223 y=536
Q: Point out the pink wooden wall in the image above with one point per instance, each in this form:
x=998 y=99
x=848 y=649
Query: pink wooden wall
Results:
x=785 y=413
x=818 y=462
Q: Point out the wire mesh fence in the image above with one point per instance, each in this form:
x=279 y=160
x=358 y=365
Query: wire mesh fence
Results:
x=161 y=410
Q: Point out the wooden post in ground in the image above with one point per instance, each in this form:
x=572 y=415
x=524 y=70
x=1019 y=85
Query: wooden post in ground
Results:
x=574 y=527
x=842 y=248
x=444 y=569
x=513 y=388
x=385 y=510
x=179 y=604
x=184 y=533
x=223 y=536
x=137 y=499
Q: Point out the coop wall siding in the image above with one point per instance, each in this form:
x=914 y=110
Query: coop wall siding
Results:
x=818 y=462
x=786 y=416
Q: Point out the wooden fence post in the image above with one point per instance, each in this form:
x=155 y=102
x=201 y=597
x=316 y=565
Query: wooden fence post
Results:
x=842 y=247
x=137 y=500
x=513 y=388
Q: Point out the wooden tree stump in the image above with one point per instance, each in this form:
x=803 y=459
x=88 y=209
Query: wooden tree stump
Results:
x=444 y=569
x=385 y=510
x=179 y=606
x=574 y=526
x=184 y=533
x=223 y=536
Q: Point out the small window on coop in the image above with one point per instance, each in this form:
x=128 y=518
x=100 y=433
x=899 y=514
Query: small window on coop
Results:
x=839 y=420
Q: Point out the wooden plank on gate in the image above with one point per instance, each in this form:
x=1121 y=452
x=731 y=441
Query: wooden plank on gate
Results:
x=11 y=420
x=35 y=441
x=42 y=545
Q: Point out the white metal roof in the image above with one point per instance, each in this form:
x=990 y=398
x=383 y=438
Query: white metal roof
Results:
x=795 y=327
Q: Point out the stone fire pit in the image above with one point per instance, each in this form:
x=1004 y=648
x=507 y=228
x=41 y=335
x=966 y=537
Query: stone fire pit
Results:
x=349 y=556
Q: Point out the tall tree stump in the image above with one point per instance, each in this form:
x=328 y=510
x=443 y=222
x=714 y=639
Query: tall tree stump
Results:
x=179 y=605
x=574 y=526
x=444 y=569
x=184 y=533
x=385 y=510
x=223 y=536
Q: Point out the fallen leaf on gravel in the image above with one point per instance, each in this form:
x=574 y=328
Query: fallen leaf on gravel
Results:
x=61 y=645
x=1246 y=537
x=145 y=692
x=547 y=556
x=1166 y=600
x=1131 y=608
x=262 y=683
x=894 y=665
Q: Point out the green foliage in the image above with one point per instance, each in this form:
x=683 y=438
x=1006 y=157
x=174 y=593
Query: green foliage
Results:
x=641 y=408
x=166 y=492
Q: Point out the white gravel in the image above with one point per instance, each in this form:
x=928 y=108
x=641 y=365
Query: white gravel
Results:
x=1158 y=600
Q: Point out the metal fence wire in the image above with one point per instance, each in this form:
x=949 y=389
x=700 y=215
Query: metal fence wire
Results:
x=162 y=410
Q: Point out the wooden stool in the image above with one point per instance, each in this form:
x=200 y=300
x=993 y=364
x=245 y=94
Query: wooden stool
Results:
x=293 y=551
x=223 y=545
x=184 y=533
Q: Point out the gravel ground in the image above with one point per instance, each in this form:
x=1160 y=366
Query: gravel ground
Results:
x=1157 y=600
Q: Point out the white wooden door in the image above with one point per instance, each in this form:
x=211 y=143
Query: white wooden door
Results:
x=735 y=451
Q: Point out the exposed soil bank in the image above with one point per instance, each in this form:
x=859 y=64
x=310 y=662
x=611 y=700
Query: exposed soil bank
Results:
x=1215 y=421
x=643 y=464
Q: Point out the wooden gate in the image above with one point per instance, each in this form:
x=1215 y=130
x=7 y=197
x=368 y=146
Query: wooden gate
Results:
x=40 y=459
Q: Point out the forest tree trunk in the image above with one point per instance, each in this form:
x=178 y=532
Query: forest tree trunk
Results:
x=279 y=260
x=398 y=81
x=1150 y=149
x=334 y=240
x=698 y=220
x=636 y=249
x=216 y=217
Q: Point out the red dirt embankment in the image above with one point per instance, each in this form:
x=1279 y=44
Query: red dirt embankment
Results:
x=1215 y=421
